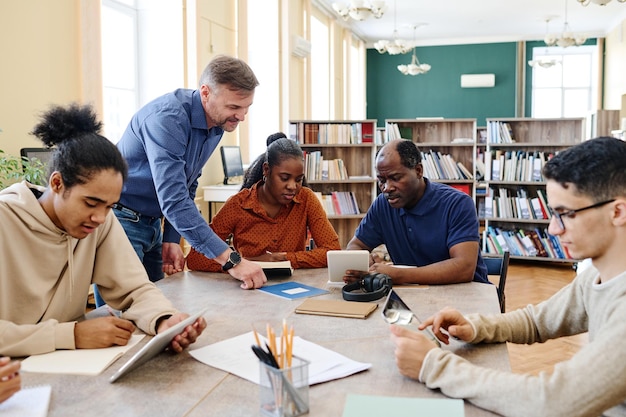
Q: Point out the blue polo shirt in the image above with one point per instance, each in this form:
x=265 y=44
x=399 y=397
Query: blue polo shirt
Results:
x=166 y=144
x=424 y=234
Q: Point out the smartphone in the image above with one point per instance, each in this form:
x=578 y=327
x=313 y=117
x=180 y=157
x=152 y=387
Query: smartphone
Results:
x=395 y=311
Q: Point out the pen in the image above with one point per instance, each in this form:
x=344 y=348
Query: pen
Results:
x=112 y=312
x=268 y=252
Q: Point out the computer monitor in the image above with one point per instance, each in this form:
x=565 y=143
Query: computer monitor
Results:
x=43 y=154
x=231 y=162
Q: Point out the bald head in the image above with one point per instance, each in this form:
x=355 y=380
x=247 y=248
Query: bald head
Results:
x=408 y=152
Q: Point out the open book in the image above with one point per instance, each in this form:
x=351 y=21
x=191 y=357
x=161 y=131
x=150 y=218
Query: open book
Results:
x=280 y=269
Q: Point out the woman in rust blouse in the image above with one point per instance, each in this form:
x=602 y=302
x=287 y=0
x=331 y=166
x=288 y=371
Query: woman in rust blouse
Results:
x=269 y=218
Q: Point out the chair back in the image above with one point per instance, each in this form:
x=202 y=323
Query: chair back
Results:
x=499 y=265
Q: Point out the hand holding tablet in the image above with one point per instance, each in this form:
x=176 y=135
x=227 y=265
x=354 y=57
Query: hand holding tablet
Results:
x=155 y=346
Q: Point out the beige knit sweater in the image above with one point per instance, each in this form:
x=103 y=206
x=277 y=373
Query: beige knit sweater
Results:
x=591 y=383
x=45 y=276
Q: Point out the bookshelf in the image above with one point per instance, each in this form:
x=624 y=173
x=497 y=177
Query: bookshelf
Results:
x=515 y=212
x=352 y=142
x=452 y=140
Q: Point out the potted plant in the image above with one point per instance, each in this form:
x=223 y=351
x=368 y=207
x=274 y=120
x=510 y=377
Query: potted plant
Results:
x=14 y=169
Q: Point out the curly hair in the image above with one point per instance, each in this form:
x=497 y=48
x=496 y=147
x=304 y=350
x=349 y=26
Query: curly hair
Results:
x=79 y=151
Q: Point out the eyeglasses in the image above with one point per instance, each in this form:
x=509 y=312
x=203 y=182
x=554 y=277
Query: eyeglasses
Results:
x=570 y=214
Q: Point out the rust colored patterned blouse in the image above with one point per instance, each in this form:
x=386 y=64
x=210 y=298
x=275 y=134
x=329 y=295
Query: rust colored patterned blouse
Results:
x=254 y=232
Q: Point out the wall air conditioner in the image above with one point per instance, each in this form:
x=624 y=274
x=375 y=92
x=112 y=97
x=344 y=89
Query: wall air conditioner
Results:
x=300 y=47
x=478 y=80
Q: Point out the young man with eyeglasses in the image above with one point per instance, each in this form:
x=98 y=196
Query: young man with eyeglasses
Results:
x=586 y=187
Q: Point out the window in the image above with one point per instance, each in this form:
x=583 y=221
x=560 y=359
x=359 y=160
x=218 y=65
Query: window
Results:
x=320 y=73
x=119 y=66
x=356 y=79
x=263 y=41
x=565 y=89
x=142 y=57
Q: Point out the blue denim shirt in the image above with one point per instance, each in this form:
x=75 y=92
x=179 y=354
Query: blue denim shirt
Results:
x=166 y=144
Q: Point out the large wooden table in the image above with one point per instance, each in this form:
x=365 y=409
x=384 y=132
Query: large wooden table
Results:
x=178 y=385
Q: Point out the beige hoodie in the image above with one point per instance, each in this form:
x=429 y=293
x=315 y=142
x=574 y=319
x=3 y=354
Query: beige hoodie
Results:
x=45 y=276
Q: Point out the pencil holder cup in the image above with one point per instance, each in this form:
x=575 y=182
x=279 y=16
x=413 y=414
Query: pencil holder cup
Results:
x=285 y=392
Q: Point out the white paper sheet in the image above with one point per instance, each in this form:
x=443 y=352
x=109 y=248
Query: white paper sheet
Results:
x=28 y=402
x=236 y=357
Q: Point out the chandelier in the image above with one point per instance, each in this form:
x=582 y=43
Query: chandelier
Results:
x=395 y=46
x=598 y=2
x=414 y=68
x=361 y=9
x=544 y=61
x=566 y=38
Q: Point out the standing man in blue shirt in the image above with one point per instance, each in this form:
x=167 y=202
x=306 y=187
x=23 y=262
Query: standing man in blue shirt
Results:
x=166 y=144
x=429 y=226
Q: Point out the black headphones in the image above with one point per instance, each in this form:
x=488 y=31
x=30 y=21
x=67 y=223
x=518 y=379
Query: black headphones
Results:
x=374 y=286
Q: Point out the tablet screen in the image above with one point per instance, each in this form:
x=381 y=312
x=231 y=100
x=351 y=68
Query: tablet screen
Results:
x=341 y=260
x=155 y=346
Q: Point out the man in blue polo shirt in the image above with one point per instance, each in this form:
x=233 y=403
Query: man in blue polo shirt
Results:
x=426 y=225
x=166 y=144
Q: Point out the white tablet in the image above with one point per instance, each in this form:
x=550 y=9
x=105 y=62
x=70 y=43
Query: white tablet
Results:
x=341 y=260
x=155 y=346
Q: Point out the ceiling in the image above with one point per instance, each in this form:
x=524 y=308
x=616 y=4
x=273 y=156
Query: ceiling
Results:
x=451 y=22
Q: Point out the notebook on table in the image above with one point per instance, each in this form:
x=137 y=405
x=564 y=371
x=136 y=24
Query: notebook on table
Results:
x=341 y=260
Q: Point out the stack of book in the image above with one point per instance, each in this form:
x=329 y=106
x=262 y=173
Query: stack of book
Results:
x=523 y=242
x=500 y=132
x=518 y=165
x=332 y=133
x=500 y=204
x=438 y=166
x=316 y=168
x=339 y=203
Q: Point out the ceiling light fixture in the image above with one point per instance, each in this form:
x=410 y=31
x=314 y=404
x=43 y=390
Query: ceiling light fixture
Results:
x=598 y=2
x=360 y=9
x=395 y=46
x=414 y=68
x=566 y=38
x=544 y=61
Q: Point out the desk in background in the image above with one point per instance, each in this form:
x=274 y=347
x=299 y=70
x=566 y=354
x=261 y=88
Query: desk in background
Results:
x=178 y=385
x=219 y=194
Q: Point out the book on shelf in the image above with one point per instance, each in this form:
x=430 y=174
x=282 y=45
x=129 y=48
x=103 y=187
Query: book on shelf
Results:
x=367 y=132
x=543 y=199
x=531 y=250
x=489 y=204
x=495 y=169
x=465 y=188
x=466 y=172
x=536 y=239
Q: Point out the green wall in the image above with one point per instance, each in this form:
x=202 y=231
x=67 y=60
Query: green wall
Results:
x=438 y=93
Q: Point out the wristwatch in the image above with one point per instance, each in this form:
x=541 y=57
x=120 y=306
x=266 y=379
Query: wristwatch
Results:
x=233 y=259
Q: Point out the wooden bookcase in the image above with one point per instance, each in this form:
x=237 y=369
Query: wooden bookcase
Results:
x=515 y=152
x=357 y=153
x=453 y=137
